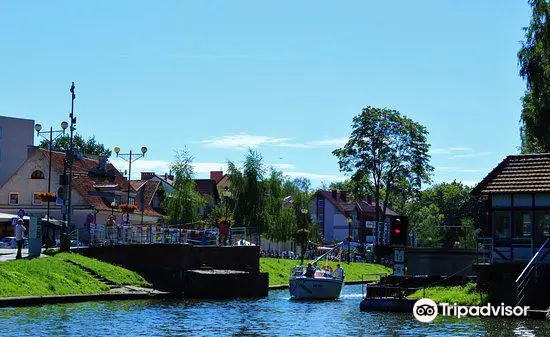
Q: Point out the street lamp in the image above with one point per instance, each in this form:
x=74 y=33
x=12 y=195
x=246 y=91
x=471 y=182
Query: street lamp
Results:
x=130 y=158
x=227 y=194
x=38 y=128
x=113 y=206
x=349 y=220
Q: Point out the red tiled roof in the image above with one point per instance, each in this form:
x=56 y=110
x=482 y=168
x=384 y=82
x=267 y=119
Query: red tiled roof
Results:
x=216 y=176
x=207 y=187
x=517 y=174
x=345 y=206
x=83 y=183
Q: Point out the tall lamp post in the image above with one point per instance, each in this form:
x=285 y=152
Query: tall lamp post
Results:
x=226 y=194
x=304 y=234
x=69 y=158
x=348 y=219
x=38 y=128
x=130 y=158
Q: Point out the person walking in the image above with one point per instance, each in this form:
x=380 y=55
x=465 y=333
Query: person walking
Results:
x=19 y=237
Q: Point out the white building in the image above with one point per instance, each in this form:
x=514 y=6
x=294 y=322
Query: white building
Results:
x=15 y=135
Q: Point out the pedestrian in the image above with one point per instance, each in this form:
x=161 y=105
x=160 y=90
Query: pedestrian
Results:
x=19 y=237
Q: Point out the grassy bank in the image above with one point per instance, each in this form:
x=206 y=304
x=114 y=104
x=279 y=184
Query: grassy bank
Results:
x=115 y=274
x=279 y=269
x=462 y=295
x=55 y=276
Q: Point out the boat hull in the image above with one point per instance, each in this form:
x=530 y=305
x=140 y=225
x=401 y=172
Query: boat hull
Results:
x=305 y=288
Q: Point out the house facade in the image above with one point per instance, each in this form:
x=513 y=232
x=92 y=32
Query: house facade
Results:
x=517 y=197
x=152 y=189
x=338 y=217
x=15 y=135
x=96 y=184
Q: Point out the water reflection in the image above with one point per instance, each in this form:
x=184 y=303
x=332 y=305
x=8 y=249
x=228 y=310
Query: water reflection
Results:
x=272 y=316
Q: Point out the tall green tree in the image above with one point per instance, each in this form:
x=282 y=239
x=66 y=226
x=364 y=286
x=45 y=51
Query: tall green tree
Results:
x=182 y=204
x=534 y=60
x=85 y=146
x=445 y=214
x=248 y=191
x=385 y=148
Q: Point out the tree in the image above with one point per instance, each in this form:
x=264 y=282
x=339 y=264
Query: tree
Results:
x=248 y=191
x=89 y=146
x=183 y=202
x=385 y=148
x=534 y=60
x=445 y=214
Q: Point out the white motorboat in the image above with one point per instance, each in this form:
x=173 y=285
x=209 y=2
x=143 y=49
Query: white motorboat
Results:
x=321 y=286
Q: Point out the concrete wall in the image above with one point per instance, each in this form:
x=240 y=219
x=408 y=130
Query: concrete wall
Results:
x=435 y=261
x=15 y=135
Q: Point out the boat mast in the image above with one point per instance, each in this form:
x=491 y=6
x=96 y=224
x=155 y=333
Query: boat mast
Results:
x=334 y=248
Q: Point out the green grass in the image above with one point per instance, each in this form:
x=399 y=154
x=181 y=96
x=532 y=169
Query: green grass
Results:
x=115 y=274
x=279 y=270
x=461 y=295
x=45 y=276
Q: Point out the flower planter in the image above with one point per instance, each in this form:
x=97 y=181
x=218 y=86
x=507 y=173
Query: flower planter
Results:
x=48 y=197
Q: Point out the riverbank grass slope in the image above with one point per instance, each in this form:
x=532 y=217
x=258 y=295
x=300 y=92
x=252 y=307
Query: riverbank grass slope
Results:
x=461 y=295
x=54 y=275
x=279 y=270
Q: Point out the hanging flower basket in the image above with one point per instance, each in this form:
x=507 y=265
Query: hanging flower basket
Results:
x=47 y=196
x=128 y=208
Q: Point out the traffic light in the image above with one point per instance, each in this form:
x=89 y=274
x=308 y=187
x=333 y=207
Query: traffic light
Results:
x=398 y=230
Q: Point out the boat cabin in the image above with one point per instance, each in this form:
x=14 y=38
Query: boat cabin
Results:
x=517 y=196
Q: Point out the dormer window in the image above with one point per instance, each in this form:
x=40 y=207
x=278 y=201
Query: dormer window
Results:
x=37 y=174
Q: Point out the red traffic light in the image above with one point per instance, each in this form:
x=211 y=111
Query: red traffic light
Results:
x=397 y=231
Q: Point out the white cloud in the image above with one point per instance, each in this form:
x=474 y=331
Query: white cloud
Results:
x=244 y=140
x=314 y=176
x=241 y=141
x=459 y=169
x=470 y=155
x=451 y=150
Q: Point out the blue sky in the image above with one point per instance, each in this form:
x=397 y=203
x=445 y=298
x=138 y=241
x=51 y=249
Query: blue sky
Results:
x=284 y=77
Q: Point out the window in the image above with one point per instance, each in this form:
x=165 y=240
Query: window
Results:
x=501 y=225
x=59 y=196
x=37 y=174
x=132 y=201
x=542 y=200
x=502 y=200
x=13 y=199
x=523 y=224
x=321 y=217
x=36 y=200
x=543 y=223
x=523 y=200
x=321 y=202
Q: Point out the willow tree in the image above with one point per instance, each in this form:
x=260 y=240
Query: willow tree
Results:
x=248 y=191
x=182 y=204
x=534 y=60
x=385 y=148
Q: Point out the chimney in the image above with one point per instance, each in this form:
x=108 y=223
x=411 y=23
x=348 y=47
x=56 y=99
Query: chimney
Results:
x=344 y=196
x=147 y=175
x=334 y=194
x=216 y=175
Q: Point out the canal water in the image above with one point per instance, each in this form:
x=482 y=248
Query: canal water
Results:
x=275 y=315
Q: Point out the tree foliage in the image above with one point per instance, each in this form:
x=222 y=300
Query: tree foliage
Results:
x=534 y=60
x=248 y=191
x=182 y=204
x=89 y=146
x=385 y=149
x=445 y=214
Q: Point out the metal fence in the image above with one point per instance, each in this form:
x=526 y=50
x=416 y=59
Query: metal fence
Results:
x=136 y=234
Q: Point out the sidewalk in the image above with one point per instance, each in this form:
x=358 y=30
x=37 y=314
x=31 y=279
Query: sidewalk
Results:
x=8 y=254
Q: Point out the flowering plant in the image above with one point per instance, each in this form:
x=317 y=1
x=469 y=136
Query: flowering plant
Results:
x=128 y=208
x=47 y=196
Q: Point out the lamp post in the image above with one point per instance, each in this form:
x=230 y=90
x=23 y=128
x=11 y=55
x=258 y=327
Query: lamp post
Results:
x=130 y=158
x=303 y=235
x=113 y=206
x=38 y=128
x=226 y=194
x=348 y=219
